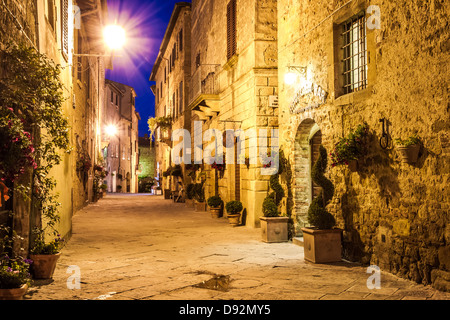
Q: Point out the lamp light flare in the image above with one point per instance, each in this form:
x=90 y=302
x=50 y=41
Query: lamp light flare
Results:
x=114 y=36
x=290 y=78
x=111 y=130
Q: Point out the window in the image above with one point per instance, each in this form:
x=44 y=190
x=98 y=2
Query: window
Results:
x=180 y=97
x=174 y=111
x=180 y=40
x=197 y=60
x=117 y=99
x=112 y=97
x=65 y=26
x=231 y=29
x=354 y=51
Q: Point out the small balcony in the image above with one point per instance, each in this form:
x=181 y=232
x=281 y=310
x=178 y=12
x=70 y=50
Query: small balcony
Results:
x=204 y=93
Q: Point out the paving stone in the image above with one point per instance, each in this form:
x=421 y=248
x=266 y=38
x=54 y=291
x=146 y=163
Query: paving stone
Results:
x=150 y=249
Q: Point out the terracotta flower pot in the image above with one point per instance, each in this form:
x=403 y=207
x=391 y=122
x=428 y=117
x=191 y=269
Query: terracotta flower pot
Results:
x=409 y=154
x=322 y=246
x=234 y=219
x=189 y=203
x=215 y=212
x=44 y=265
x=13 y=294
x=200 y=206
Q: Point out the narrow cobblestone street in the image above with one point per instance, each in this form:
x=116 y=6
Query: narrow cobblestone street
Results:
x=142 y=247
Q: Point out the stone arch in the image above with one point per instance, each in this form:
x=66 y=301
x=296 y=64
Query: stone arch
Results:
x=302 y=170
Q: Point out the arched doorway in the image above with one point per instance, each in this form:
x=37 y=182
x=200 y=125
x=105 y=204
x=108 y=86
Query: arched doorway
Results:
x=306 y=148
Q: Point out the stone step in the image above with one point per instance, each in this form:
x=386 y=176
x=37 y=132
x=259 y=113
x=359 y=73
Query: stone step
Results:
x=298 y=241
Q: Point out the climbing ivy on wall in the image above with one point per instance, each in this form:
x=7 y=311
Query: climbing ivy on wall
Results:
x=31 y=89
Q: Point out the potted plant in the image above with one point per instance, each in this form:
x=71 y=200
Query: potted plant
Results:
x=14 y=278
x=104 y=187
x=199 y=192
x=14 y=270
x=234 y=209
x=274 y=227
x=44 y=255
x=322 y=242
x=348 y=150
x=190 y=194
x=408 y=149
x=215 y=206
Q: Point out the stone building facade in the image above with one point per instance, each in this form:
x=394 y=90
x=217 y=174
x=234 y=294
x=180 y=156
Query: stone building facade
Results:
x=394 y=215
x=171 y=73
x=66 y=36
x=121 y=152
x=88 y=91
x=234 y=80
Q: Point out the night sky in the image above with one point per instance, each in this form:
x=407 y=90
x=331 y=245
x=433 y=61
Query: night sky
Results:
x=145 y=22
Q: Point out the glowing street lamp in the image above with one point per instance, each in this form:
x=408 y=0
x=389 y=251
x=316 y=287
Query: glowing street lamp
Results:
x=111 y=130
x=293 y=71
x=114 y=36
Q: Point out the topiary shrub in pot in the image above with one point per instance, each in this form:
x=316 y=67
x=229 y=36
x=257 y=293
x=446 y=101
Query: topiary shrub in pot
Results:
x=322 y=242
x=199 y=196
x=215 y=206
x=274 y=227
x=234 y=209
x=190 y=194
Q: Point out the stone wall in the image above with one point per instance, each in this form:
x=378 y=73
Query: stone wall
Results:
x=394 y=215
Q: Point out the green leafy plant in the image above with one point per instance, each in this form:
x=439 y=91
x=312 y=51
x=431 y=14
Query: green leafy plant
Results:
x=410 y=141
x=234 y=207
x=318 y=215
x=31 y=87
x=215 y=202
x=190 y=191
x=350 y=147
x=199 y=192
x=16 y=146
x=270 y=208
x=14 y=269
x=161 y=122
x=40 y=246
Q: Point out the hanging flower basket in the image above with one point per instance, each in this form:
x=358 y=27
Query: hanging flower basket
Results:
x=348 y=150
x=408 y=149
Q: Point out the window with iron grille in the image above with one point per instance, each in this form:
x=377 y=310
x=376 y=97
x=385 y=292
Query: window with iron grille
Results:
x=354 y=54
x=231 y=29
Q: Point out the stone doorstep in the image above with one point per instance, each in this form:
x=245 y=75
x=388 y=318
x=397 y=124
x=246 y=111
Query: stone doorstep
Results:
x=298 y=241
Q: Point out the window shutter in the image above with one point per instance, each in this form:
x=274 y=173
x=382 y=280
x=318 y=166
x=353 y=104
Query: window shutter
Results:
x=231 y=28
x=65 y=26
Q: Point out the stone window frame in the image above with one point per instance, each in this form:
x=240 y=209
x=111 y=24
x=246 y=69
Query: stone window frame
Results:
x=336 y=82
